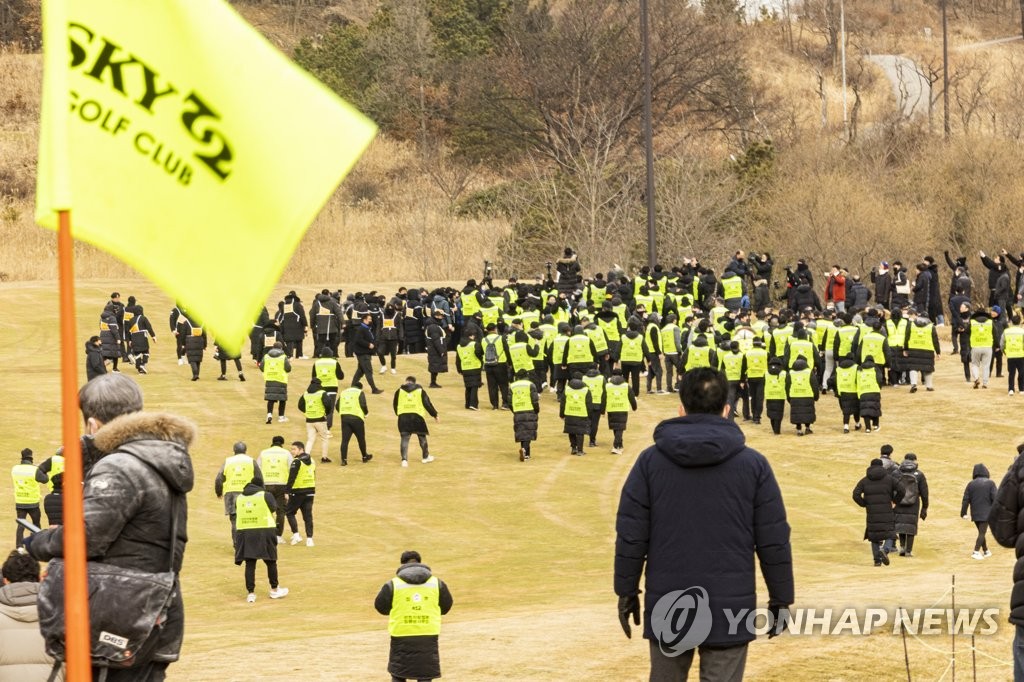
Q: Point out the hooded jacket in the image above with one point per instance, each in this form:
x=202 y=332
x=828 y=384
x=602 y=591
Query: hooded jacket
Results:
x=695 y=508
x=877 y=492
x=414 y=657
x=979 y=495
x=94 y=365
x=1007 y=523
x=144 y=464
x=907 y=514
x=22 y=652
x=411 y=422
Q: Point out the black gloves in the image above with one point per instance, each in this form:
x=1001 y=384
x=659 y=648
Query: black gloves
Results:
x=629 y=606
x=779 y=615
x=924 y=514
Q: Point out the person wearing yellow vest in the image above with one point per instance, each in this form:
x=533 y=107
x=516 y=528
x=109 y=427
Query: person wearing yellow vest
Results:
x=672 y=348
x=352 y=407
x=574 y=411
x=328 y=370
x=556 y=351
x=275 y=462
x=869 y=395
x=301 y=489
x=50 y=467
x=699 y=353
x=494 y=353
x=469 y=363
x=525 y=411
x=844 y=385
x=390 y=337
x=982 y=337
x=775 y=393
x=652 y=354
x=579 y=353
x=802 y=393
x=414 y=601
x=237 y=470
x=619 y=402
x=920 y=349
x=256 y=538
x=1012 y=344
x=412 y=404
x=597 y=383
x=316 y=405
x=275 y=366
x=730 y=363
x=755 y=366
x=26 y=494
x=631 y=354
x=611 y=325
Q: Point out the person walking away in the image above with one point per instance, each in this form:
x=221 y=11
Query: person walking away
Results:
x=26 y=494
x=95 y=365
x=53 y=503
x=412 y=404
x=139 y=334
x=913 y=504
x=275 y=463
x=435 y=333
x=301 y=489
x=390 y=337
x=982 y=336
x=414 y=601
x=275 y=366
x=574 y=411
x=291 y=316
x=1012 y=345
x=469 y=363
x=195 y=347
x=353 y=409
x=23 y=655
x=596 y=383
x=223 y=355
x=775 y=393
x=844 y=385
x=877 y=492
x=256 y=539
x=110 y=339
x=979 y=495
x=316 y=404
x=700 y=461
x=237 y=470
x=920 y=351
x=802 y=393
x=619 y=401
x=525 y=411
x=363 y=347
x=1007 y=524
x=328 y=370
x=869 y=396
x=755 y=367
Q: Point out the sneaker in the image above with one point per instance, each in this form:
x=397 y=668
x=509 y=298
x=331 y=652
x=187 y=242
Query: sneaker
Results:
x=977 y=555
x=799 y=432
x=505 y=407
x=908 y=554
x=222 y=378
x=251 y=599
x=913 y=388
x=983 y=385
x=296 y=538
x=193 y=378
x=181 y=361
x=877 y=428
x=344 y=462
x=856 y=426
x=367 y=458
x=885 y=558
x=988 y=553
x=279 y=592
x=522 y=454
x=592 y=444
x=977 y=383
x=573 y=452
x=394 y=371
x=552 y=390
x=527 y=459
x=1010 y=392
x=475 y=409
x=241 y=377
x=142 y=370
x=808 y=431
x=326 y=460
x=270 y=417
x=304 y=357
x=581 y=452
x=929 y=388
x=867 y=429
x=434 y=385
x=846 y=428
x=405 y=463
x=383 y=369
x=280 y=540
x=282 y=418
x=661 y=392
x=328 y=434
x=428 y=459
x=616 y=451
x=309 y=542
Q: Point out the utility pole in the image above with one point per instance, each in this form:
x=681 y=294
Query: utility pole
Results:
x=842 y=52
x=652 y=244
x=945 y=74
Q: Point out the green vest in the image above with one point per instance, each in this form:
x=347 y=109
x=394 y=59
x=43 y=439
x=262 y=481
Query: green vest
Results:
x=274 y=465
x=411 y=402
x=981 y=334
x=732 y=363
x=632 y=349
x=26 y=489
x=348 y=402
x=579 y=350
x=596 y=385
x=757 y=363
x=415 y=609
x=698 y=356
x=733 y=287
x=801 y=348
x=871 y=346
x=867 y=381
x=468 y=359
x=326 y=372
x=315 y=405
x=921 y=338
x=252 y=512
x=521 y=358
x=1013 y=340
x=668 y=339
x=775 y=386
x=800 y=384
x=846 y=335
x=597 y=336
x=521 y=398
x=618 y=397
x=610 y=328
x=897 y=332
x=576 y=402
x=846 y=379
x=306 y=478
x=273 y=368
x=238 y=471
x=56 y=467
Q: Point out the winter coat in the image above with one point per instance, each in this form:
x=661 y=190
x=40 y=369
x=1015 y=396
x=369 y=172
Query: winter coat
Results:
x=571 y=424
x=143 y=465
x=774 y=409
x=256 y=339
x=907 y=514
x=870 y=404
x=257 y=543
x=326 y=315
x=617 y=420
x=411 y=422
x=94 y=365
x=362 y=339
x=141 y=333
x=524 y=424
x=195 y=345
x=695 y=508
x=883 y=287
x=53 y=506
x=849 y=403
x=857 y=296
x=877 y=492
x=110 y=336
x=801 y=410
x=568 y=273
x=1006 y=520
x=835 y=288
x=413 y=657
x=437 y=346
x=22 y=654
x=472 y=378
x=916 y=359
x=292 y=317
x=276 y=390
x=922 y=291
x=979 y=495
x=804 y=296
x=412 y=323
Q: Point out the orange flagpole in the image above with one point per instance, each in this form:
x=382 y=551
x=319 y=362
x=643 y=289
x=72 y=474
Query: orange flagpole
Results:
x=76 y=591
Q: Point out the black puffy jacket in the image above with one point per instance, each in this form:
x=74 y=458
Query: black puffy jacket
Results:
x=877 y=492
x=1007 y=523
x=413 y=657
x=979 y=495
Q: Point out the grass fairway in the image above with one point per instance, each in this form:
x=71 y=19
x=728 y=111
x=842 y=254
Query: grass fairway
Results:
x=526 y=548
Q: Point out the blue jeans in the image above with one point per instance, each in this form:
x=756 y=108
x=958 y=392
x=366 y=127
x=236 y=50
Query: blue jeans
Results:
x=1018 y=654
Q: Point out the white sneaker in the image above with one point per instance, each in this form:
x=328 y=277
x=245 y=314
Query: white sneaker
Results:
x=282 y=418
x=279 y=592
x=251 y=599
x=270 y=417
x=846 y=428
x=181 y=361
x=1010 y=392
x=428 y=459
x=309 y=542
x=304 y=357
x=296 y=538
x=383 y=369
x=977 y=555
x=988 y=553
x=280 y=540
x=405 y=463
x=394 y=371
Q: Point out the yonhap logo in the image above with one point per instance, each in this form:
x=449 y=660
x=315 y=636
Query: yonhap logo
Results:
x=681 y=620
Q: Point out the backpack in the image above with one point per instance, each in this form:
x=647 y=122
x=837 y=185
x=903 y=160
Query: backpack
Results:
x=490 y=351
x=910 y=493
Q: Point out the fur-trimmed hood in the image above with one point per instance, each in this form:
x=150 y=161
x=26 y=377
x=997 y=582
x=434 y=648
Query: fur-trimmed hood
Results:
x=159 y=439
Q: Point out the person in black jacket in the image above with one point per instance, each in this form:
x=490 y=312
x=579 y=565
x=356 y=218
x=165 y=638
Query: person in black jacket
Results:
x=979 y=495
x=256 y=538
x=411 y=403
x=912 y=505
x=53 y=503
x=1007 y=522
x=95 y=365
x=363 y=347
x=139 y=333
x=690 y=510
x=877 y=492
x=291 y=315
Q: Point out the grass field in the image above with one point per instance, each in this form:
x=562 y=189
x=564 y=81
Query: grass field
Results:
x=527 y=549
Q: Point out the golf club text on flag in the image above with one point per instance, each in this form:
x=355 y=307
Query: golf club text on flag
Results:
x=189 y=147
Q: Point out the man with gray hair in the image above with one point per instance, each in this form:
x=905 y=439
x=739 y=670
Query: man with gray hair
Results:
x=137 y=470
x=235 y=473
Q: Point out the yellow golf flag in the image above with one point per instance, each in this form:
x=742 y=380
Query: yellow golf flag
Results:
x=187 y=146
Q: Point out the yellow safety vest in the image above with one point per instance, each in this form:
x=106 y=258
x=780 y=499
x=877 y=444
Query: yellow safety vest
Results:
x=315 y=405
x=897 y=332
x=757 y=363
x=57 y=467
x=521 y=358
x=717 y=313
x=274 y=465
x=411 y=402
x=732 y=363
x=658 y=298
x=470 y=305
x=306 y=478
x=732 y=287
x=576 y=402
x=871 y=346
x=521 y=398
x=1013 y=340
x=26 y=489
x=685 y=311
x=802 y=348
x=760 y=328
x=821 y=328
x=618 y=397
x=668 y=339
x=597 y=336
x=775 y=386
x=326 y=372
x=610 y=328
x=348 y=402
x=921 y=338
x=550 y=332
x=622 y=311
x=415 y=609
x=781 y=336
x=652 y=331
x=488 y=315
x=632 y=349
x=252 y=512
x=273 y=368
x=867 y=381
x=579 y=350
x=698 y=356
x=846 y=335
x=529 y=317
x=800 y=384
x=468 y=359
x=238 y=472
x=596 y=385
x=846 y=379
x=644 y=300
x=981 y=334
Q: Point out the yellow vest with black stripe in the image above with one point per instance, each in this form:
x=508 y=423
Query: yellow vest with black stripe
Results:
x=846 y=379
x=576 y=402
x=610 y=328
x=618 y=397
x=348 y=402
x=1013 y=341
x=775 y=386
x=757 y=363
x=411 y=402
x=415 y=609
x=867 y=381
x=921 y=338
x=522 y=400
x=981 y=334
x=897 y=332
x=872 y=346
x=326 y=370
x=632 y=349
x=732 y=287
x=274 y=465
x=698 y=356
x=802 y=348
x=521 y=358
x=579 y=350
x=596 y=385
x=529 y=317
x=596 y=335
x=468 y=359
x=668 y=339
x=238 y=471
x=800 y=384
x=314 y=405
x=306 y=477
x=273 y=368
x=253 y=512
x=732 y=364
x=26 y=489
x=56 y=467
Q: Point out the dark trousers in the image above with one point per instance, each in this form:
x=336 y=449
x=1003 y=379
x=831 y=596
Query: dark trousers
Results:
x=280 y=407
x=403 y=679
x=364 y=368
x=732 y=396
x=154 y=671
x=497 y=384
x=387 y=348
x=576 y=442
x=981 y=543
x=996 y=362
x=250 y=574
x=179 y=345
x=877 y=552
x=617 y=438
x=352 y=426
x=672 y=364
x=30 y=513
x=595 y=422
x=195 y=367
x=1015 y=369
x=141 y=360
x=721 y=665
x=906 y=542
x=293 y=349
x=631 y=372
x=224 y=365
x=776 y=425
x=278 y=491
x=755 y=391
x=472 y=396
x=304 y=503
x=654 y=372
